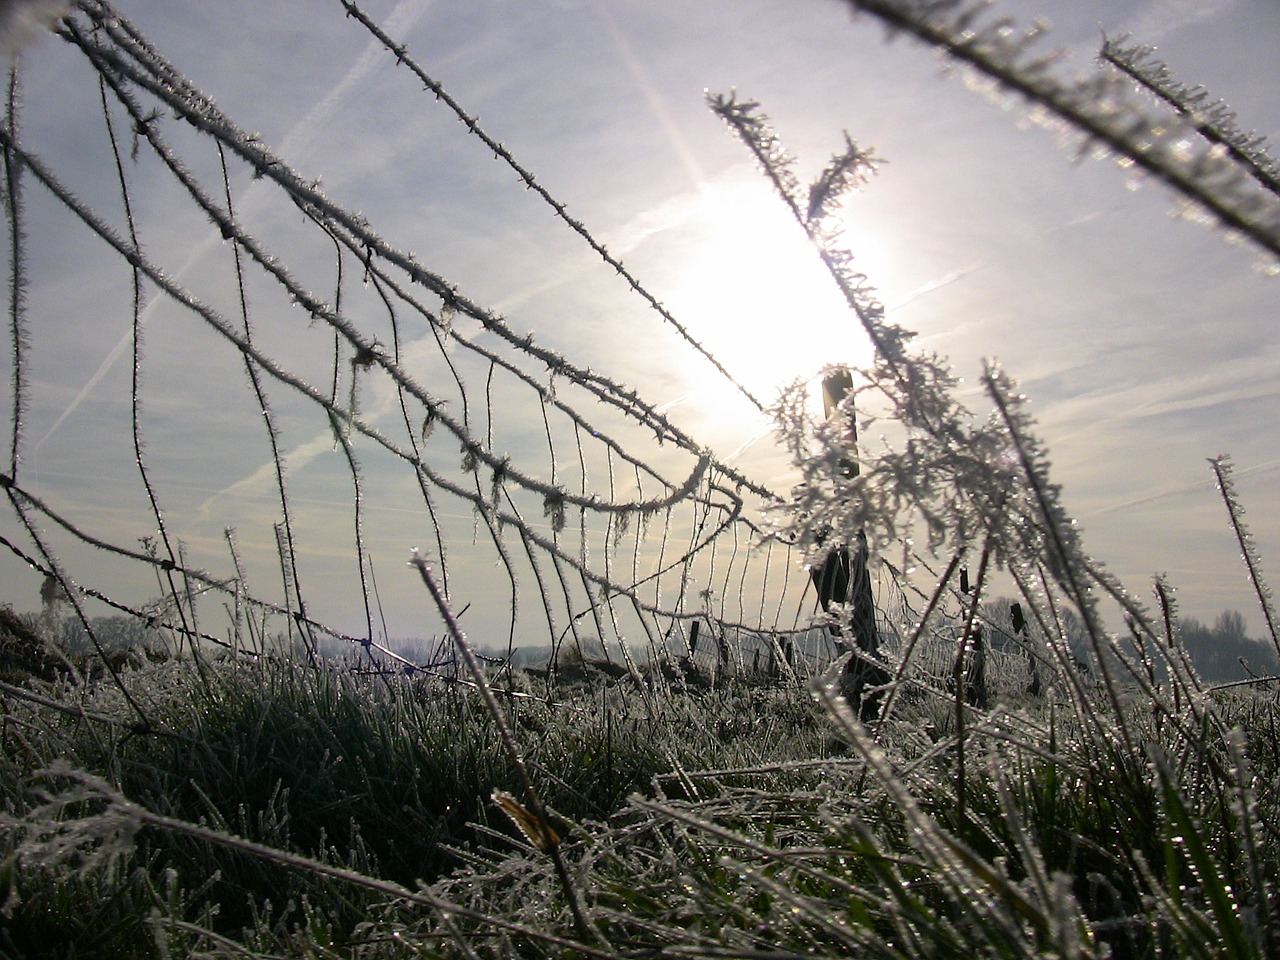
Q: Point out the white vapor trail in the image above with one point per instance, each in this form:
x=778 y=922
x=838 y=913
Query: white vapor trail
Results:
x=649 y=90
x=402 y=18
x=1163 y=17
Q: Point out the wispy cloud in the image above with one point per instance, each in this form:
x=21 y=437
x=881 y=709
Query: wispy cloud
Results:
x=263 y=479
x=406 y=13
x=1163 y=17
x=649 y=90
x=1233 y=381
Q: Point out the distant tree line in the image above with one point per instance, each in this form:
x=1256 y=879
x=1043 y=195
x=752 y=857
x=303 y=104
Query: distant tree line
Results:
x=1225 y=652
x=1222 y=652
x=115 y=633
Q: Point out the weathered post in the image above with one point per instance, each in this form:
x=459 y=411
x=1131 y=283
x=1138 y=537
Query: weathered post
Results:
x=843 y=578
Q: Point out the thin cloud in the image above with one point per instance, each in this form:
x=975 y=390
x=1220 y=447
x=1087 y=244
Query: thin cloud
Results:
x=649 y=90
x=1199 y=488
x=1164 y=17
x=405 y=14
x=1233 y=381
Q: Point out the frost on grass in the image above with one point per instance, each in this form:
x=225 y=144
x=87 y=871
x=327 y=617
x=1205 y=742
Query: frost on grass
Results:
x=73 y=822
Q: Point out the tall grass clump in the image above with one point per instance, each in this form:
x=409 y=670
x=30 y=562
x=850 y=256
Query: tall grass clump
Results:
x=1041 y=775
x=389 y=778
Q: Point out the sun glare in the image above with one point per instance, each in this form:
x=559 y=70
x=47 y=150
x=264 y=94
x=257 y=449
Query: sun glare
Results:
x=751 y=288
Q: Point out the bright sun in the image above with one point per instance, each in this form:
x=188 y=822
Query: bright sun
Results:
x=753 y=291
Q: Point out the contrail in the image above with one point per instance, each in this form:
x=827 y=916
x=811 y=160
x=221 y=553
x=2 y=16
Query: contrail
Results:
x=1163 y=17
x=264 y=477
x=1200 y=486
x=640 y=74
x=403 y=17
x=750 y=442
x=933 y=285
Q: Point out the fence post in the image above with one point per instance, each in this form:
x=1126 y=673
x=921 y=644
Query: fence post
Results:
x=843 y=578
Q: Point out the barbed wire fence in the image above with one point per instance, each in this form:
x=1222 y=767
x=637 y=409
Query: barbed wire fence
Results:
x=541 y=489
x=556 y=504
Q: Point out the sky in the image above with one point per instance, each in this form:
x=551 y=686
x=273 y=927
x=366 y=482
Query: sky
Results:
x=1146 y=343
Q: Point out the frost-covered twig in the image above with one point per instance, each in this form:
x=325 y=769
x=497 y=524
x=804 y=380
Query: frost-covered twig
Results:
x=846 y=170
x=1212 y=119
x=938 y=472
x=1222 y=468
x=1100 y=108
x=1059 y=540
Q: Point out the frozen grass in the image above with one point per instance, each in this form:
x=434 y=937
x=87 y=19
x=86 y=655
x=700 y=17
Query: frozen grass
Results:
x=746 y=822
x=387 y=776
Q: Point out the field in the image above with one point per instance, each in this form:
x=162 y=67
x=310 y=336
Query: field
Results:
x=897 y=713
x=289 y=810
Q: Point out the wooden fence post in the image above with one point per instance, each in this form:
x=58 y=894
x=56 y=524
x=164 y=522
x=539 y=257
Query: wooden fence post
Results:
x=843 y=578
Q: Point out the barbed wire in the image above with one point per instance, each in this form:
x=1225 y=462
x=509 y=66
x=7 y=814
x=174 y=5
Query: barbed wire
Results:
x=640 y=568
